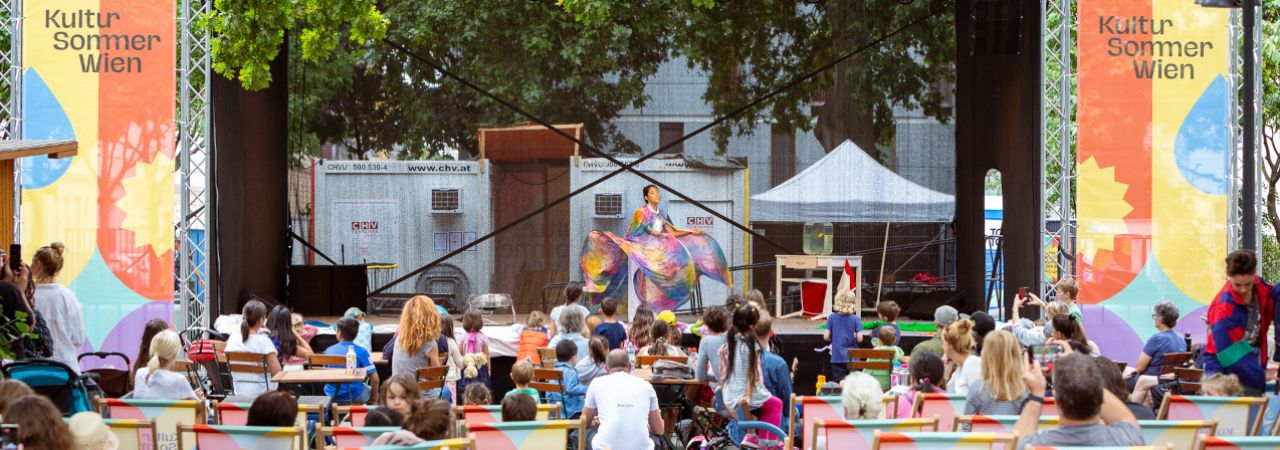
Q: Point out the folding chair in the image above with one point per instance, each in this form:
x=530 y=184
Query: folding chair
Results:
x=468 y=443
x=1174 y=360
x=1237 y=416
x=1237 y=442
x=493 y=413
x=998 y=424
x=320 y=361
x=547 y=381
x=354 y=413
x=132 y=433
x=225 y=437
x=861 y=433
x=943 y=406
x=912 y=441
x=432 y=379
x=548 y=357
x=525 y=435
x=1136 y=447
x=248 y=363
x=870 y=359
x=350 y=437
x=1188 y=380
x=166 y=414
x=1180 y=433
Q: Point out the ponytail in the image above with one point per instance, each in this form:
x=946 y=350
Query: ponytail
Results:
x=165 y=348
x=253 y=312
x=152 y=367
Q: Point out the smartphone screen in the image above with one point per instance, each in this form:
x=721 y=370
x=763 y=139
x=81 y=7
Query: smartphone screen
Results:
x=1046 y=354
x=15 y=257
x=1022 y=292
x=8 y=437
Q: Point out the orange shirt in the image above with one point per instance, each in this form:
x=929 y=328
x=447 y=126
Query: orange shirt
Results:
x=530 y=341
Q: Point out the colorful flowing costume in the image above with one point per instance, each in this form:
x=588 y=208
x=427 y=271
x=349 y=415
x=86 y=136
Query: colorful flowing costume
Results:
x=669 y=266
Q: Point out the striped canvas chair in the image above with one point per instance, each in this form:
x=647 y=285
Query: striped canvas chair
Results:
x=493 y=413
x=351 y=437
x=1050 y=407
x=806 y=410
x=1181 y=433
x=134 y=433
x=226 y=437
x=998 y=424
x=167 y=415
x=536 y=435
x=444 y=444
x=353 y=414
x=860 y=433
x=1237 y=416
x=1137 y=447
x=1237 y=442
x=229 y=413
x=943 y=406
x=922 y=441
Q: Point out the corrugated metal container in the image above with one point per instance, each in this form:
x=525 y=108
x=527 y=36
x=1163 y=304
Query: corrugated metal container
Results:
x=609 y=206
x=408 y=213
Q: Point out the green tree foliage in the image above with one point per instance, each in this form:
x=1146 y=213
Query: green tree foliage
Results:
x=247 y=35
x=1270 y=45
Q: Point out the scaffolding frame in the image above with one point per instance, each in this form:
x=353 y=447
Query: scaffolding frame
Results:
x=191 y=305
x=1057 y=143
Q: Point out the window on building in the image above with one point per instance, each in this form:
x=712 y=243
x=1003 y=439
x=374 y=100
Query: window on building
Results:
x=669 y=132
x=782 y=156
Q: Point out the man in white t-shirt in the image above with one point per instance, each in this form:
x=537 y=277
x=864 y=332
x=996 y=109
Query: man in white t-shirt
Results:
x=618 y=407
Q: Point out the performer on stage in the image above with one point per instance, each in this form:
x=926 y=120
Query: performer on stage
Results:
x=670 y=259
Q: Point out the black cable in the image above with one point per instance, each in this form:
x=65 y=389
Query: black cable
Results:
x=629 y=166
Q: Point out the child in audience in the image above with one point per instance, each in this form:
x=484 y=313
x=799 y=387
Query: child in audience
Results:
x=248 y=339
x=641 y=323
x=152 y=328
x=477 y=395
x=475 y=350
x=575 y=393
x=885 y=338
x=741 y=378
x=533 y=337
x=593 y=366
x=399 y=393
x=610 y=328
x=522 y=375
x=428 y=421
x=843 y=326
x=593 y=321
x=453 y=359
x=383 y=417
x=926 y=369
x=519 y=408
x=888 y=312
x=273 y=409
x=659 y=346
x=716 y=321
x=291 y=349
x=777 y=376
x=355 y=392
x=40 y=425
x=11 y=390
x=158 y=381
x=364 y=334
x=1222 y=385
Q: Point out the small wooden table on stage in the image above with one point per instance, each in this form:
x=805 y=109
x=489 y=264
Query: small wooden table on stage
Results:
x=646 y=374
x=316 y=376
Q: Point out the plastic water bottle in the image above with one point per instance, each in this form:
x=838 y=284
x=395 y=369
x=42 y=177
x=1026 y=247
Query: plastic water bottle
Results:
x=351 y=360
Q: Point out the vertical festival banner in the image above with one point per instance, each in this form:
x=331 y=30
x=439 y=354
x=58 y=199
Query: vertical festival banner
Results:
x=102 y=72
x=1152 y=160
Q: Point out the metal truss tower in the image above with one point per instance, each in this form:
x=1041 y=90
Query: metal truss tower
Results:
x=191 y=306
x=1057 y=155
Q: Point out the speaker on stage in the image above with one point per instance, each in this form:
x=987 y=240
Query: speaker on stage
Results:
x=326 y=290
x=922 y=308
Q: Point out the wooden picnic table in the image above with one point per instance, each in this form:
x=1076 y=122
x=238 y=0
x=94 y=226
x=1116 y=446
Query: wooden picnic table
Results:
x=646 y=373
x=317 y=376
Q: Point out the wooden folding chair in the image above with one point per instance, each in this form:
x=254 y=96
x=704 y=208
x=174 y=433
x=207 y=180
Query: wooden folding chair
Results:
x=870 y=359
x=650 y=360
x=249 y=363
x=225 y=437
x=548 y=357
x=1181 y=433
x=430 y=378
x=1236 y=416
x=1189 y=379
x=134 y=433
x=895 y=441
x=525 y=435
x=546 y=381
x=320 y=361
x=1237 y=442
x=1175 y=360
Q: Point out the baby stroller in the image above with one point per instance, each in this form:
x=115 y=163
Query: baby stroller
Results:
x=114 y=381
x=72 y=393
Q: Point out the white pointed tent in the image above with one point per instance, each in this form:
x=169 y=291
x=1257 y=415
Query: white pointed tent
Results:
x=848 y=186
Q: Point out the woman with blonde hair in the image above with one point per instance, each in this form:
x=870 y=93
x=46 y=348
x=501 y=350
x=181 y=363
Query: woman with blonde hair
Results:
x=59 y=307
x=158 y=381
x=1001 y=390
x=415 y=346
x=963 y=368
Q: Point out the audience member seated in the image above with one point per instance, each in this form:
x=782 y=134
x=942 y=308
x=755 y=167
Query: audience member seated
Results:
x=638 y=333
x=399 y=393
x=716 y=320
x=572 y=293
x=1000 y=391
x=659 y=332
x=11 y=390
x=149 y=331
x=253 y=318
x=533 y=336
x=1114 y=383
x=291 y=349
x=862 y=396
x=963 y=367
x=590 y=368
x=741 y=377
x=1067 y=331
x=451 y=356
x=571 y=328
x=521 y=376
x=884 y=340
x=622 y=410
x=478 y=395
x=40 y=425
x=428 y=421
x=777 y=375
x=943 y=317
x=574 y=391
x=611 y=328
x=90 y=432
x=592 y=322
x=158 y=381
x=383 y=417
x=273 y=409
x=519 y=408
x=983 y=325
x=356 y=391
x=415 y=340
x=1089 y=415
x=1222 y=385
x=1150 y=363
x=924 y=369
x=58 y=306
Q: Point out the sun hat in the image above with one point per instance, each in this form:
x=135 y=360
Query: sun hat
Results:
x=90 y=432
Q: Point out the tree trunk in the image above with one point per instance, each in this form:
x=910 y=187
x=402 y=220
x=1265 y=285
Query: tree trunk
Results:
x=1271 y=170
x=848 y=112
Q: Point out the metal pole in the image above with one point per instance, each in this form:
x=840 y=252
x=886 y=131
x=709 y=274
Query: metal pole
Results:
x=15 y=112
x=1250 y=216
x=182 y=315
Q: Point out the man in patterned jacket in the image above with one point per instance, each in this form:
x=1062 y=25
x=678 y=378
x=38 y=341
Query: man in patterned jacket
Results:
x=1238 y=320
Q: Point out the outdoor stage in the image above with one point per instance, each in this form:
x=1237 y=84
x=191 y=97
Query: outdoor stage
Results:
x=800 y=341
